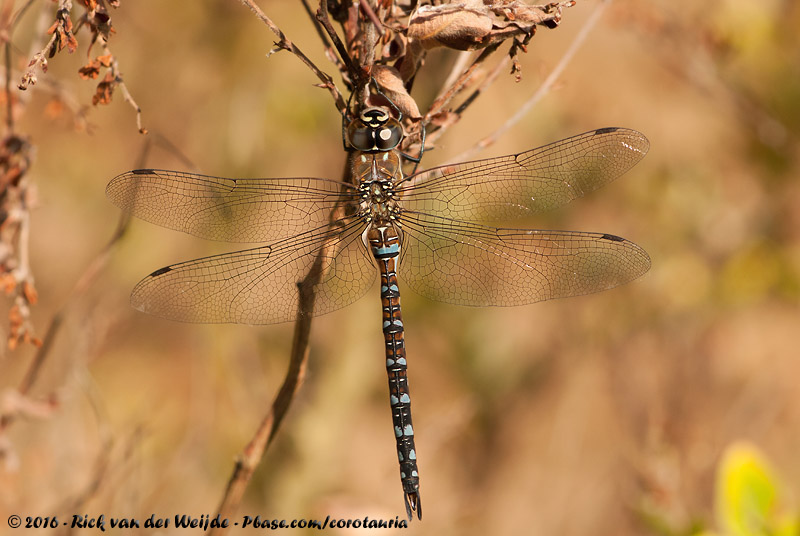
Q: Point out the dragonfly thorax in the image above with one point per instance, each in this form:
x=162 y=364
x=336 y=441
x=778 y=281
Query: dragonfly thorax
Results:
x=377 y=174
x=378 y=204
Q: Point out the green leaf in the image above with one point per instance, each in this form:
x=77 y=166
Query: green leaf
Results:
x=746 y=493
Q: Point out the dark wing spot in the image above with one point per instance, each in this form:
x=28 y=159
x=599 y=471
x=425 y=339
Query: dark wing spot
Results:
x=606 y=130
x=613 y=238
x=142 y=171
x=161 y=271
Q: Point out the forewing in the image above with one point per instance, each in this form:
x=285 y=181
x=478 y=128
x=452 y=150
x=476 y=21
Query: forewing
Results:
x=259 y=286
x=518 y=185
x=234 y=210
x=469 y=264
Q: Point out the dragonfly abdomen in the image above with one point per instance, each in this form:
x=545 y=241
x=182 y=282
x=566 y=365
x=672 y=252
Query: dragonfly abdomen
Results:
x=385 y=246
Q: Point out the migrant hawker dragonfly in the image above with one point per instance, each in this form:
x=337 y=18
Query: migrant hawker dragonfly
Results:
x=429 y=230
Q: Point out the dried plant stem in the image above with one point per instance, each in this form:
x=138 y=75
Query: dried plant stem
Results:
x=543 y=90
x=117 y=74
x=356 y=75
x=286 y=44
x=102 y=462
x=129 y=99
x=462 y=60
x=444 y=98
x=326 y=44
x=252 y=453
x=9 y=101
x=489 y=80
x=250 y=457
x=367 y=10
x=40 y=58
x=81 y=286
x=482 y=87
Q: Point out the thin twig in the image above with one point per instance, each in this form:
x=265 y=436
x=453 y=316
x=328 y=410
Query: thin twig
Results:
x=41 y=25
x=159 y=140
x=444 y=98
x=125 y=93
x=20 y=12
x=462 y=60
x=106 y=443
x=483 y=86
x=285 y=44
x=545 y=88
x=9 y=101
x=358 y=80
x=367 y=56
x=61 y=28
x=254 y=451
x=81 y=286
x=326 y=44
x=367 y=10
x=40 y=58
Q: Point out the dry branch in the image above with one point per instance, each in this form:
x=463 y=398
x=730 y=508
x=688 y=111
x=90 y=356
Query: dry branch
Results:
x=285 y=44
x=545 y=88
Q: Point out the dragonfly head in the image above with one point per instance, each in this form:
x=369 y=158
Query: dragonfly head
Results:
x=374 y=130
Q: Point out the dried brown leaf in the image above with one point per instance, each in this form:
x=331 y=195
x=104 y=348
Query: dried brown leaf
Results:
x=410 y=62
x=8 y=283
x=62 y=27
x=526 y=16
x=29 y=291
x=71 y=43
x=106 y=60
x=459 y=25
x=90 y=70
x=473 y=24
x=391 y=83
x=444 y=119
x=28 y=79
x=104 y=90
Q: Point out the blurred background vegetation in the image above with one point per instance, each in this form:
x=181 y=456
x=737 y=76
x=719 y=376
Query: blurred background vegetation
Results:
x=603 y=414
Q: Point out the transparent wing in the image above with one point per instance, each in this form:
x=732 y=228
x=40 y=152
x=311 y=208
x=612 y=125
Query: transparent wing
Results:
x=515 y=186
x=233 y=210
x=469 y=264
x=259 y=286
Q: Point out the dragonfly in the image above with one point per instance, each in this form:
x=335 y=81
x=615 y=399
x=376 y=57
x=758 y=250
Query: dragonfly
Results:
x=431 y=230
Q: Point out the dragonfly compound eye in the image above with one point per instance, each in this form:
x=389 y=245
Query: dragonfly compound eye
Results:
x=370 y=139
x=389 y=136
x=374 y=130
